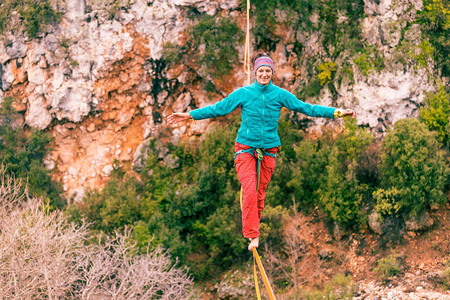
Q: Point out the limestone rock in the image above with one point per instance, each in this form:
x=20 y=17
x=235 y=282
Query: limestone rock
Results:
x=419 y=223
x=107 y=170
x=16 y=48
x=72 y=102
x=37 y=114
x=37 y=75
x=153 y=22
x=7 y=76
x=4 y=57
x=374 y=223
x=141 y=155
x=75 y=9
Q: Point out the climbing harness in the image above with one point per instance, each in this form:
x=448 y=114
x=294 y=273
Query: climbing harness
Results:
x=258 y=154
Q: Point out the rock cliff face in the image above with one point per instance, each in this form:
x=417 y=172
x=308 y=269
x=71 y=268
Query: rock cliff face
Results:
x=98 y=83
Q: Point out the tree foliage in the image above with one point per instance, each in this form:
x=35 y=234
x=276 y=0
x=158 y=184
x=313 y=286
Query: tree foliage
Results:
x=212 y=44
x=34 y=15
x=413 y=169
x=435 y=19
x=23 y=153
x=436 y=113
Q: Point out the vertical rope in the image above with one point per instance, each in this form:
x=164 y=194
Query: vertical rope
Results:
x=247 y=46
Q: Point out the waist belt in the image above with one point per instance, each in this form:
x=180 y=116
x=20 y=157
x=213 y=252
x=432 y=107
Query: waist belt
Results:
x=258 y=154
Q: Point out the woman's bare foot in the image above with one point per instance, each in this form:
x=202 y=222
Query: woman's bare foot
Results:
x=254 y=243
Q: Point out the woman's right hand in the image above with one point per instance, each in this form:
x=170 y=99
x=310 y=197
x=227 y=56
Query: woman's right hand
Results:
x=178 y=117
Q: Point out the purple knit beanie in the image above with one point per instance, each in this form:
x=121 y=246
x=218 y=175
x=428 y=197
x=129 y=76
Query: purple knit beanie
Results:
x=263 y=61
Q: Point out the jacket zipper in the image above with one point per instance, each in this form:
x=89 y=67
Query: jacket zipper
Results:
x=262 y=125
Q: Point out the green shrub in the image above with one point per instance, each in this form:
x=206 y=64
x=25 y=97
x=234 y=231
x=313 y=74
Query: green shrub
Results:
x=413 y=165
x=172 y=53
x=23 y=152
x=387 y=201
x=436 y=113
x=425 y=53
x=369 y=60
x=388 y=267
x=213 y=43
x=341 y=195
x=311 y=89
x=340 y=34
x=326 y=172
x=34 y=13
x=294 y=13
x=341 y=286
x=435 y=20
x=327 y=71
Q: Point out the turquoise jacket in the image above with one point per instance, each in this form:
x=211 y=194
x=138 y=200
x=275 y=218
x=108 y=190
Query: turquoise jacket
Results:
x=260 y=111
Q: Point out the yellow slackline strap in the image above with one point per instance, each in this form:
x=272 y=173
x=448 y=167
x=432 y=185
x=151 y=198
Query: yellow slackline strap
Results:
x=240 y=196
x=255 y=276
x=263 y=275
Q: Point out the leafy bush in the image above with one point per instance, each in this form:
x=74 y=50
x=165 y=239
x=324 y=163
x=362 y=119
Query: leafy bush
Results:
x=425 y=53
x=369 y=60
x=341 y=34
x=388 y=267
x=23 y=153
x=327 y=71
x=34 y=13
x=172 y=53
x=311 y=89
x=213 y=43
x=413 y=165
x=436 y=113
x=325 y=174
x=269 y=14
x=342 y=195
x=435 y=20
x=387 y=201
x=340 y=287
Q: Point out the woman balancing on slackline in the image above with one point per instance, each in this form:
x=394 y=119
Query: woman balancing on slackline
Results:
x=260 y=104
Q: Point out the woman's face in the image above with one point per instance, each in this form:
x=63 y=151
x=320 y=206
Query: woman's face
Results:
x=264 y=75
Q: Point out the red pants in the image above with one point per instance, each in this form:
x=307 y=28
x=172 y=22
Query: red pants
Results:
x=253 y=200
